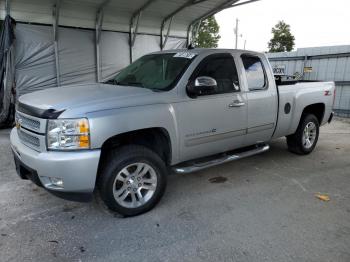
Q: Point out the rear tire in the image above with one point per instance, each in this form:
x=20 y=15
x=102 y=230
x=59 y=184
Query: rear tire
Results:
x=132 y=180
x=304 y=140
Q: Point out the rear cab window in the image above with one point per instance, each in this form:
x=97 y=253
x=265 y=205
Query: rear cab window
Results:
x=255 y=73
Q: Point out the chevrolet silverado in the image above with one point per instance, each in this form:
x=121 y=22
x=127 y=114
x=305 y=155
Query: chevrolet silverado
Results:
x=171 y=111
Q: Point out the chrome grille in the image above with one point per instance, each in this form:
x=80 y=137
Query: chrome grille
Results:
x=29 y=139
x=27 y=122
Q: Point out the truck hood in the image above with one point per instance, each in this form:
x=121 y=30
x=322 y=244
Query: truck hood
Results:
x=87 y=97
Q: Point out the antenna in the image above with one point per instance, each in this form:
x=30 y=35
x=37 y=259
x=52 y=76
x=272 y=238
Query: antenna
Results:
x=236 y=33
x=236 y=30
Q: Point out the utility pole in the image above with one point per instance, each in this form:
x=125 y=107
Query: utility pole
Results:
x=236 y=33
x=245 y=43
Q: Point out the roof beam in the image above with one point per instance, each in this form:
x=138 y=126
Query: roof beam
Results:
x=182 y=7
x=217 y=9
x=244 y=3
x=169 y=18
x=142 y=8
x=103 y=5
x=223 y=6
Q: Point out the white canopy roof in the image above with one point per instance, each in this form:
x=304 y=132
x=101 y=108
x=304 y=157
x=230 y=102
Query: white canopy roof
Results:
x=118 y=13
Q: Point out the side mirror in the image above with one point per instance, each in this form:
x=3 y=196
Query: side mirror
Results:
x=202 y=85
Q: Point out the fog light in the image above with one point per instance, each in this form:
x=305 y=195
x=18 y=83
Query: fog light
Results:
x=56 y=181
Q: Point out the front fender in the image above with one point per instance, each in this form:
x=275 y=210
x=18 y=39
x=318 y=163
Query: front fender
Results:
x=108 y=123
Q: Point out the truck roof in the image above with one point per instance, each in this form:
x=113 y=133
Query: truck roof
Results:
x=200 y=51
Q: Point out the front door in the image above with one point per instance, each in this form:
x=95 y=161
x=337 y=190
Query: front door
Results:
x=214 y=122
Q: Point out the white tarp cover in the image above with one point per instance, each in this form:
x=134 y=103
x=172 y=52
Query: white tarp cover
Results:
x=35 y=49
x=7 y=97
x=35 y=60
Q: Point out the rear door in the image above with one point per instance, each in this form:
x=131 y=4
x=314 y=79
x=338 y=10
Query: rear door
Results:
x=262 y=99
x=215 y=122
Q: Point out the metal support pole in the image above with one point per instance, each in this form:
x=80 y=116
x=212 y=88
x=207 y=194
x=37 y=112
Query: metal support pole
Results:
x=56 y=14
x=169 y=19
x=212 y=12
x=134 y=28
x=7 y=7
x=192 y=33
x=196 y=30
x=163 y=42
x=189 y=36
x=98 y=29
x=130 y=43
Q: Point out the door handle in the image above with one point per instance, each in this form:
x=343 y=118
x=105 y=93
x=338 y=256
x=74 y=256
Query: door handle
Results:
x=236 y=103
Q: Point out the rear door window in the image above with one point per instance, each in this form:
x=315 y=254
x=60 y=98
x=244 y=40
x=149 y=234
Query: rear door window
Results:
x=255 y=72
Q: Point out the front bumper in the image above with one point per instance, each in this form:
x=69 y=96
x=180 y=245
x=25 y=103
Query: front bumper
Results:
x=77 y=170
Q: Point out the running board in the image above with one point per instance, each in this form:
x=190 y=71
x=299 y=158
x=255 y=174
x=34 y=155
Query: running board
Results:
x=197 y=166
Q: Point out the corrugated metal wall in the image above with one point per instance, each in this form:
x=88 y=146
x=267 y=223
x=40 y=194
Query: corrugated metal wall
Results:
x=328 y=64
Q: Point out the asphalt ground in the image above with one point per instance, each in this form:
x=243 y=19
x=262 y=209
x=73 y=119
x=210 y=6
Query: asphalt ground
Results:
x=261 y=208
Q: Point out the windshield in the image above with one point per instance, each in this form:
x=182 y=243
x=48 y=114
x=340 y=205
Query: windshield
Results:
x=157 y=71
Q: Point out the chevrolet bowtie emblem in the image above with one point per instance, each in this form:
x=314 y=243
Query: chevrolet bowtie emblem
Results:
x=18 y=123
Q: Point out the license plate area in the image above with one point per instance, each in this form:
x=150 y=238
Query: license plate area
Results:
x=26 y=172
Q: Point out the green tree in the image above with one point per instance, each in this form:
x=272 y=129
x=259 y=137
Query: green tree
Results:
x=282 y=40
x=208 y=34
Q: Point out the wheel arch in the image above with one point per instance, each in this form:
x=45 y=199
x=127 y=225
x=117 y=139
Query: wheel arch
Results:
x=156 y=139
x=317 y=109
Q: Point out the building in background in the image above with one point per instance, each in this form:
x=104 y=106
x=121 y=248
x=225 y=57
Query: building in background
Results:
x=318 y=64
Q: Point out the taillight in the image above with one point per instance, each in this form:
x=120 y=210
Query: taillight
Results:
x=335 y=90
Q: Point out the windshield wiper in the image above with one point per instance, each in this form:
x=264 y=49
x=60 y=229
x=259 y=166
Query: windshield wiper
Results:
x=111 y=82
x=156 y=90
x=137 y=84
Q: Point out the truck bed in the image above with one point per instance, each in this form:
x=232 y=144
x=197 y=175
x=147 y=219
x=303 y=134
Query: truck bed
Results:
x=296 y=96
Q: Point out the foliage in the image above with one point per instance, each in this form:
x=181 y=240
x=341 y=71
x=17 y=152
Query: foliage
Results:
x=208 y=34
x=282 y=40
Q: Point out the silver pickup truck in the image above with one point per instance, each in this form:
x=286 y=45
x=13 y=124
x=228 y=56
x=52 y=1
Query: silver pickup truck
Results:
x=173 y=111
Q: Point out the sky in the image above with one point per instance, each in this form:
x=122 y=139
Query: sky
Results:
x=313 y=23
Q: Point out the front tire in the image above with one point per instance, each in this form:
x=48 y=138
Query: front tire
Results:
x=132 y=180
x=304 y=140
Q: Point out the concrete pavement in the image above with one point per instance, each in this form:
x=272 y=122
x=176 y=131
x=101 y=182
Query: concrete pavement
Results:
x=262 y=208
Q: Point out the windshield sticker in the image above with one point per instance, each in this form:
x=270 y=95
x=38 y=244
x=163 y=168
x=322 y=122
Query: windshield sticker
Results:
x=187 y=55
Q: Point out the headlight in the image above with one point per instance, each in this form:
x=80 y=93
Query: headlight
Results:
x=68 y=134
